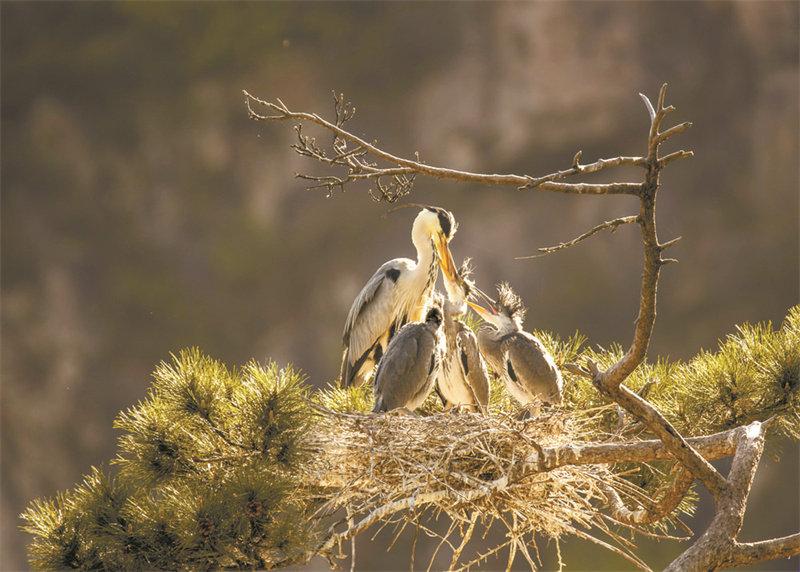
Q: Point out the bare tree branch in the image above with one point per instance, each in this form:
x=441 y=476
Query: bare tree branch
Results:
x=609 y=224
x=578 y=169
x=775 y=549
x=609 y=382
x=712 y=447
x=663 y=429
x=278 y=111
x=667 y=159
x=662 y=508
x=717 y=547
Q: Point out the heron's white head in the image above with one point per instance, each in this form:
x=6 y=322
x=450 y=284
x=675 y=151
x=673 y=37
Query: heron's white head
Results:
x=507 y=313
x=439 y=226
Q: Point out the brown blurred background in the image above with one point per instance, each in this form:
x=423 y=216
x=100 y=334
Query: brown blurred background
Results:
x=142 y=212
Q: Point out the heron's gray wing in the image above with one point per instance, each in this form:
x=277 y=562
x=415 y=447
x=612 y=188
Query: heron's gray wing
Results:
x=533 y=367
x=405 y=366
x=369 y=294
x=472 y=365
x=492 y=349
x=371 y=314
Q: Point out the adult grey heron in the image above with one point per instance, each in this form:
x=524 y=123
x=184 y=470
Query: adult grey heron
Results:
x=398 y=293
x=518 y=357
x=407 y=372
x=463 y=380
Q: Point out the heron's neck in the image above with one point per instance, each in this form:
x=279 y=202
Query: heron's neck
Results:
x=422 y=278
x=509 y=327
x=423 y=242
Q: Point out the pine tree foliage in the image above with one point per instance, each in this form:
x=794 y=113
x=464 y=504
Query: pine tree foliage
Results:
x=206 y=477
x=753 y=375
x=212 y=466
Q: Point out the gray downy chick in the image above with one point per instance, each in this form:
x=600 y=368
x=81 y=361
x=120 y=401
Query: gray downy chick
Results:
x=517 y=356
x=407 y=372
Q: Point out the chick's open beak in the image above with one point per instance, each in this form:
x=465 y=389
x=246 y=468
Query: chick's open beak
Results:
x=482 y=312
x=446 y=259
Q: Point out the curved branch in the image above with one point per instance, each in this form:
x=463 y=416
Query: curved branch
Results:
x=712 y=447
x=402 y=166
x=717 y=546
x=609 y=382
x=610 y=224
x=774 y=549
x=643 y=329
x=666 y=505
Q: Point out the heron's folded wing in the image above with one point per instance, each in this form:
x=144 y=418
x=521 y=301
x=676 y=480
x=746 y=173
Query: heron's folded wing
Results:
x=370 y=315
x=473 y=365
x=533 y=365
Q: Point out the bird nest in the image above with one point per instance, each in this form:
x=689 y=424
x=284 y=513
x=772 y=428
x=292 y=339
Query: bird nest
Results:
x=477 y=470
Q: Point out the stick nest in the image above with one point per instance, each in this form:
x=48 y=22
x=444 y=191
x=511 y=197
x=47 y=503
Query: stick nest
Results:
x=399 y=469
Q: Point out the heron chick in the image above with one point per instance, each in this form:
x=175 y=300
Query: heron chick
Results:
x=398 y=293
x=407 y=372
x=463 y=380
x=517 y=356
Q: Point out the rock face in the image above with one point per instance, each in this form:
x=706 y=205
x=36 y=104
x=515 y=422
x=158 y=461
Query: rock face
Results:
x=143 y=212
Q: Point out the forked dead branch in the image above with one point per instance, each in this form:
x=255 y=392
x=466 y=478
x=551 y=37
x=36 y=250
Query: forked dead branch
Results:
x=506 y=491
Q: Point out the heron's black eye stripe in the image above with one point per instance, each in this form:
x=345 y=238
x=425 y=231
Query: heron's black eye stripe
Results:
x=444 y=222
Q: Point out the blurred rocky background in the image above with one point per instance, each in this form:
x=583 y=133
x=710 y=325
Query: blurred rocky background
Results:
x=142 y=212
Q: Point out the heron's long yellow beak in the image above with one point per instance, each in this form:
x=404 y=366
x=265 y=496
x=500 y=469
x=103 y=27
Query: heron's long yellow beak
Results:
x=446 y=259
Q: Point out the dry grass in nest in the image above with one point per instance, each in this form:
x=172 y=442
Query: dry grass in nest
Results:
x=478 y=470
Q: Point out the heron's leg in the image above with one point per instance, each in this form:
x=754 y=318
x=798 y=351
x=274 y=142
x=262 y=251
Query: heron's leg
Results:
x=445 y=404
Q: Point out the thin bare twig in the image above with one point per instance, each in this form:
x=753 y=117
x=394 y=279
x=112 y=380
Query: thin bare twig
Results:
x=609 y=224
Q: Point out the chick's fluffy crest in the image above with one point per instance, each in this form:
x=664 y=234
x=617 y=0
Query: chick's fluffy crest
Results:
x=509 y=302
